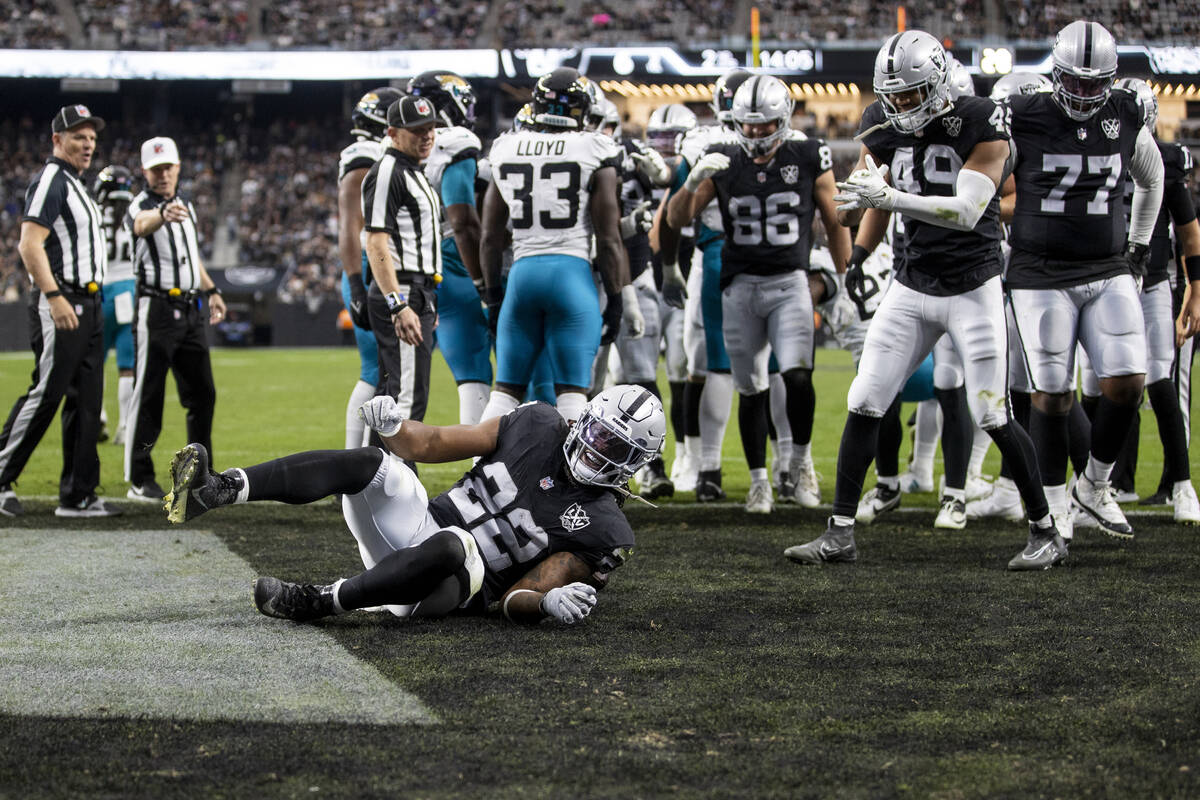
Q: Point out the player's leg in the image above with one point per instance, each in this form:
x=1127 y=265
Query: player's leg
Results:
x=884 y=496
x=192 y=368
x=462 y=335
x=1160 y=387
x=1112 y=331
x=155 y=339
x=951 y=395
x=572 y=329
x=746 y=338
x=716 y=399
x=899 y=338
x=979 y=332
x=789 y=312
x=1046 y=321
x=780 y=432
x=520 y=337
x=368 y=374
x=639 y=360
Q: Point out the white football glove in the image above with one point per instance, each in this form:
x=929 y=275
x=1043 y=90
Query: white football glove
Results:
x=569 y=604
x=640 y=220
x=711 y=164
x=674 y=288
x=381 y=415
x=652 y=165
x=631 y=312
x=866 y=188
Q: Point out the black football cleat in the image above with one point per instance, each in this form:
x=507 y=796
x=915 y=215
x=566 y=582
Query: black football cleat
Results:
x=195 y=488
x=299 y=602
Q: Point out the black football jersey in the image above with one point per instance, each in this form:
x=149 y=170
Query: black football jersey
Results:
x=1069 y=226
x=1177 y=207
x=635 y=189
x=930 y=258
x=521 y=506
x=767 y=209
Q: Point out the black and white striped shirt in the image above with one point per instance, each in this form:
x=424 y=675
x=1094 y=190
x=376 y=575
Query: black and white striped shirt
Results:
x=76 y=247
x=169 y=258
x=398 y=200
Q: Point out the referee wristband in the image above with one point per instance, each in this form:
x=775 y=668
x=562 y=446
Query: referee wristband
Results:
x=53 y=294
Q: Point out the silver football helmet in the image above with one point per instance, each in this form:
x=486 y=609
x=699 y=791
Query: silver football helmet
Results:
x=912 y=80
x=1146 y=98
x=723 y=91
x=620 y=431
x=1020 y=83
x=761 y=100
x=603 y=113
x=667 y=125
x=961 y=84
x=1085 y=63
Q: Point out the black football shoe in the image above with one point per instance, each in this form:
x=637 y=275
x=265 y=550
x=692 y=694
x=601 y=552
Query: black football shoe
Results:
x=299 y=602
x=195 y=488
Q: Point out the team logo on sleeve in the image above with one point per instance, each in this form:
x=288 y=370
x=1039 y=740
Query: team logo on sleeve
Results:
x=953 y=125
x=790 y=173
x=1111 y=127
x=575 y=518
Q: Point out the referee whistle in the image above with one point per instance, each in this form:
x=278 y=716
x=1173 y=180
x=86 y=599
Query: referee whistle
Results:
x=93 y=287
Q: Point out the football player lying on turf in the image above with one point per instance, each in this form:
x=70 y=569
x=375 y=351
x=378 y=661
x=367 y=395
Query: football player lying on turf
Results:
x=535 y=526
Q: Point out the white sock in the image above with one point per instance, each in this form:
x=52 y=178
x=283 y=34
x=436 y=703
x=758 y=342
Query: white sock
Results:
x=891 y=482
x=802 y=454
x=716 y=404
x=361 y=393
x=472 y=400
x=758 y=475
x=1180 y=486
x=843 y=522
x=929 y=427
x=1097 y=471
x=124 y=397
x=571 y=405
x=956 y=494
x=498 y=404
x=1056 y=496
x=244 y=492
x=691 y=445
x=337 y=605
x=979 y=451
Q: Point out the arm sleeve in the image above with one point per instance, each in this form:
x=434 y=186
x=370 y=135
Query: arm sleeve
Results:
x=961 y=212
x=458 y=183
x=1146 y=169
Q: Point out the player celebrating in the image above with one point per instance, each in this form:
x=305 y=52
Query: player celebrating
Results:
x=947 y=160
x=768 y=186
x=368 y=126
x=557 y=183
x=535 y=525
x=1071 y=275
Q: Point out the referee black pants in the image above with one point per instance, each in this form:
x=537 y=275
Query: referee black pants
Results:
x=404 y=368
x=168 y=335
x=69 y=365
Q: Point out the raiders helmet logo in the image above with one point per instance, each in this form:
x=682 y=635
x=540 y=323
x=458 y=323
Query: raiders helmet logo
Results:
x=575 y=518
x=1081 y=134
x=953 y=125
x=790 y=173
x=1111 y=127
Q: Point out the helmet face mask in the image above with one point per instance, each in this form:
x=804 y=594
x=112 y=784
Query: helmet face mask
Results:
x=369 y=118
x=619 y=432
x=451 y=95
x=666 y=127
x=561 y=100
x=604 y=115
x=1085 y=64
x=757 y=103
x=912 y=80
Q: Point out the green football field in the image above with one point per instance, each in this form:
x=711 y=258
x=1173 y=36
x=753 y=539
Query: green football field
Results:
x=133 y=663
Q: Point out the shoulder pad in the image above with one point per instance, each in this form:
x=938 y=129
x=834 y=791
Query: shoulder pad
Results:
x=456 y=140
x=796 y=136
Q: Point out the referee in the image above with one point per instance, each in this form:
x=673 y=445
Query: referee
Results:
x=402 y=220
x=63 y=249
x=169 y=327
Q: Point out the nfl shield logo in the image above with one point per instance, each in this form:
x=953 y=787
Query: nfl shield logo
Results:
x=82 y=111
x=790 y=173
x=575 y=518
x=953 y=125
x=762 y=177
x=546 y=483
x=158 y=148
x=1111 y=127
x=422 y=106
x=1081 y=133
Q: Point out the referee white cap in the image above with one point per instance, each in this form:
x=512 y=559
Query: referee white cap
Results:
x=411 y=112
x=159 y=150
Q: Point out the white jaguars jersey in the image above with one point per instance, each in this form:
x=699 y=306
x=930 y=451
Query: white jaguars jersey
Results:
x=450 y=145
x=545 y=179
x=360 y=155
